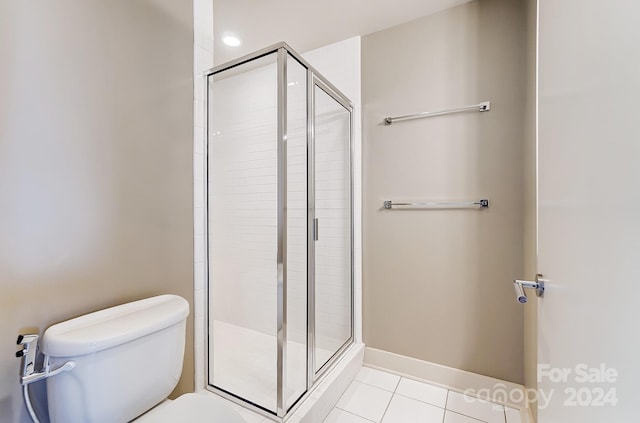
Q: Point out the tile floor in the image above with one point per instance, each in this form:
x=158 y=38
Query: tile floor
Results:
x=381 y=397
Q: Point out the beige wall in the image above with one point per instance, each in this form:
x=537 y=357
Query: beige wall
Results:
x=96 y=127
x=437 y=283
x=530 y=202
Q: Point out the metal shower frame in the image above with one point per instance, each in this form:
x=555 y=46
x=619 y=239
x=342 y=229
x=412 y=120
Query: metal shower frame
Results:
x=314 y=78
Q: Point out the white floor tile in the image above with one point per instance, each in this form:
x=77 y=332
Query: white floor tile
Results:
x=451 y=417
x=405 y=410
x=365 y=401
x=341 y=416
x=422 y=392
x=379 y=379
x=513 y=415
x=476 y=408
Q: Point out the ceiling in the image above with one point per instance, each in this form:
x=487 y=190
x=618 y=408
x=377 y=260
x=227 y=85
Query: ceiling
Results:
x=306 y=25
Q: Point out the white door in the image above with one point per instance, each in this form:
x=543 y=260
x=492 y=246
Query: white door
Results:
x=589 y=211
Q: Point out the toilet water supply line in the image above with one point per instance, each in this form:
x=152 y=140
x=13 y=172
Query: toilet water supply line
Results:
x=27 y=402
x=29 y=375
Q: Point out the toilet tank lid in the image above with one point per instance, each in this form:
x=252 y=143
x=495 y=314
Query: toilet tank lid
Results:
x=113 y=326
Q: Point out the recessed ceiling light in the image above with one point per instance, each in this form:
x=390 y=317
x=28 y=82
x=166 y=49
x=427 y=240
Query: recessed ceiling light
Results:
x=231 y=40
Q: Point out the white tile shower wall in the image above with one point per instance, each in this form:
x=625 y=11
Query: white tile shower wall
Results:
x=243 y=178
x=202 y=60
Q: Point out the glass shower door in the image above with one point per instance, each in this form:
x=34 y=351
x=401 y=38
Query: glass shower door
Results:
x=257 y=228
x=243 y=231
x=332 y=258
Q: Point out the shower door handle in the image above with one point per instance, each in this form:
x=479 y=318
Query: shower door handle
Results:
x=316 y=226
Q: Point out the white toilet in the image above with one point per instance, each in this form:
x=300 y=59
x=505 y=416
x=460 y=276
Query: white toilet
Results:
x=128 y=359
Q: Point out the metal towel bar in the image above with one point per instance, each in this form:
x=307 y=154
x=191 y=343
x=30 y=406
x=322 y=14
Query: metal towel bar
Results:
x=483 y=204
x=485 y=106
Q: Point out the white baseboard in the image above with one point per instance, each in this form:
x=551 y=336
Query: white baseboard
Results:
x=507 y=393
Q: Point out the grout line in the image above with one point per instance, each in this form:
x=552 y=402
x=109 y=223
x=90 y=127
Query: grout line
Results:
x=353 y=414
x=387 y=407
x=409 y=377
x=466 y=415
x=493 y=405
x=460 y=414
x=376 y=386
x=446 y=402
x=397 y=384
x=421 y=401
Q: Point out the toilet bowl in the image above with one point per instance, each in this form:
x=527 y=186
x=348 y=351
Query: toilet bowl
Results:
x=127 y=360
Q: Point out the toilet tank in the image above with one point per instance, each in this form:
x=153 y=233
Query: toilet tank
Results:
x=128 y=359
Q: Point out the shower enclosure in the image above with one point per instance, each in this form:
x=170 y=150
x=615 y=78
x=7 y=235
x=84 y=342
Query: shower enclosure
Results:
x=280 y=233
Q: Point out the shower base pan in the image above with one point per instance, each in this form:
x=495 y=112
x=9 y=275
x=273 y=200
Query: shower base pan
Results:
x=248 y=371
